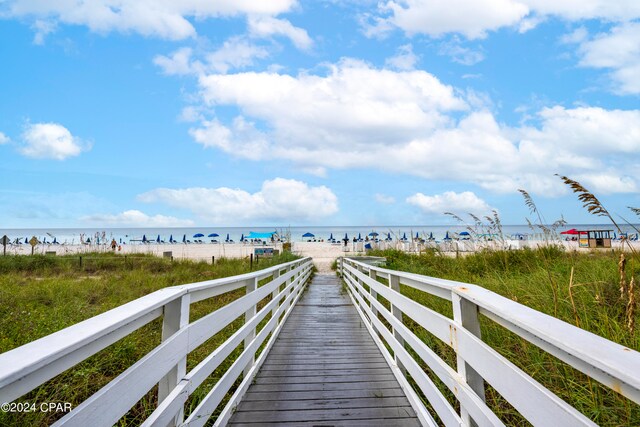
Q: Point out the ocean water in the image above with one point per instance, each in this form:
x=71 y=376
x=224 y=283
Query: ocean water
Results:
x=135 y=235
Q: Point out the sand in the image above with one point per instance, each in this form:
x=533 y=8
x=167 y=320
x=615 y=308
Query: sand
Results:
x=323 y=253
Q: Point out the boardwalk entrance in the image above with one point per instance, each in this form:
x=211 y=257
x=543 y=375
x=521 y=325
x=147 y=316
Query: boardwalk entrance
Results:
x=324 y=369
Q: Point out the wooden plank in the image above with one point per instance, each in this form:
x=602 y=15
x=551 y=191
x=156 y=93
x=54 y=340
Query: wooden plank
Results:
x=325 y=368
x=325 y=414
x=313 y=404
x=323 y=394
x=400 y=422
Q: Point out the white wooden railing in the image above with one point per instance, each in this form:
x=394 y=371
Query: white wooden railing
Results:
x=26 y=367
x=609 y=363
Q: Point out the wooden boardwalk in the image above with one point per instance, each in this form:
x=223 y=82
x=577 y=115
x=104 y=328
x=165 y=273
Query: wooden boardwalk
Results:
x=325 y=370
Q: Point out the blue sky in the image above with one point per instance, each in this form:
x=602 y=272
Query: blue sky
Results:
x=222 y=113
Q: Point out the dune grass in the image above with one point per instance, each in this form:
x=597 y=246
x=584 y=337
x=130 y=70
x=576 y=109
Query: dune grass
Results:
x=43 y=294
x=539 y=279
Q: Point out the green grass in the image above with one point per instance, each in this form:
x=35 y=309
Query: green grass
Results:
x=538 y=279
x=43 y=294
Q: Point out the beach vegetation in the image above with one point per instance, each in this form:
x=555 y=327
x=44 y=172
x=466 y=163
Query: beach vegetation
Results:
x=44 y=294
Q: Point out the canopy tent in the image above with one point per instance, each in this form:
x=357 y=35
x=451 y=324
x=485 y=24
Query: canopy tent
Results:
x=254 y=235
x=308 y=235
x=573 y=231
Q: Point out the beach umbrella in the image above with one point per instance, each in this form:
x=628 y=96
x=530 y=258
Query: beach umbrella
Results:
x=404 y=236
x=198 y=235
x=158 y=239
x=171 y=238
x=55 y=241
x=373 y=234
x=26 y=240
x=308 y=235
x=184 y=238
x=242 y=237
x=228 y=237
x=359 y=236
x=88 y=239
x=389 y=237
x=431 y=236
x=213 y=235
x=144 y=238
x=446 y=237
x=346 y=237
x=464 y=233
x=417 y=236
x=331 y=237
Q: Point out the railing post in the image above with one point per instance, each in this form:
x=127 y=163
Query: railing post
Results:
x=374 y=295
x=275 y=292
x=252 y=285
x=394 y=284
x=465 y=313
x=176 y=316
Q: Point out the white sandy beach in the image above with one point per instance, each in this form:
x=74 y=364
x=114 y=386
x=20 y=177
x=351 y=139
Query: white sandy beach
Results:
x=323 y=253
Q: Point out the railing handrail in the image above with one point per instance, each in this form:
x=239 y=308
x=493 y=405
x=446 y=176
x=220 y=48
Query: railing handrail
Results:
x=27 y=366
x=610 y=363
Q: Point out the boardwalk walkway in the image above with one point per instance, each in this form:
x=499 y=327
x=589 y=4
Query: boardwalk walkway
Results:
x=325 y=370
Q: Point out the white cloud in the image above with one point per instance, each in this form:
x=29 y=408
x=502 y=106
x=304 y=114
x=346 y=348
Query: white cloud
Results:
x=235 y=53
x=449 y=201
x=178 y=63
x=278 y=199
x=167 y=19
x=4 y=139
x=356 y=116
x=474 y=18
x=618 y=51
x=460 y=54
x=267 y=26
x=136 y=218
x=404 y=59
x=50 y=141
x=384 y=199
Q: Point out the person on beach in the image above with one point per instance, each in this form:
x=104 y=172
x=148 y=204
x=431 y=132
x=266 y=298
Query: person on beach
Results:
x=113 y=244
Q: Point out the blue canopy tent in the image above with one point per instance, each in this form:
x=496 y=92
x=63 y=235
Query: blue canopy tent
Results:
x=254 y=235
